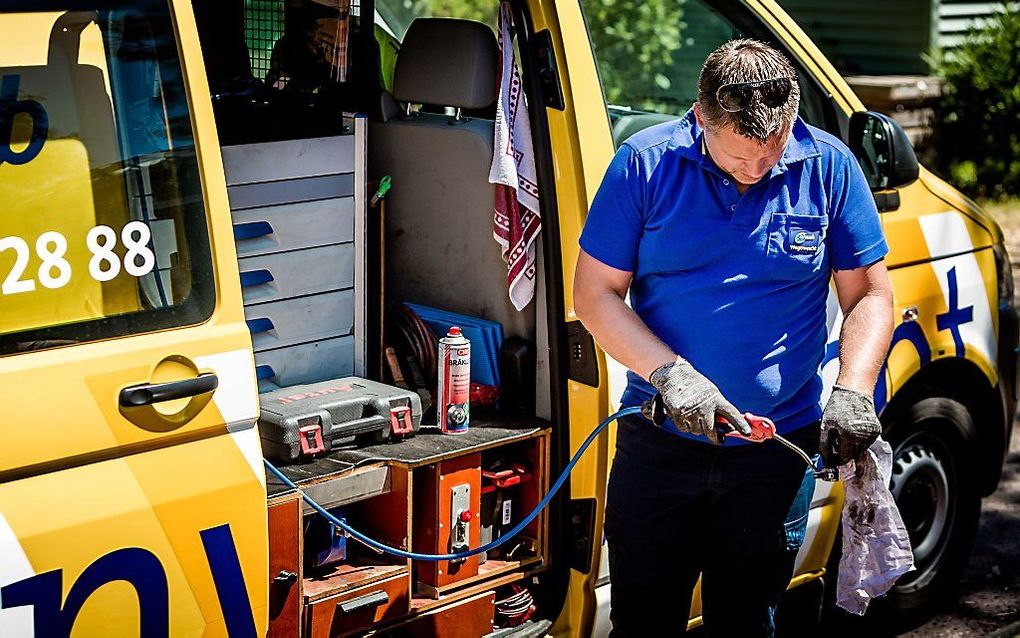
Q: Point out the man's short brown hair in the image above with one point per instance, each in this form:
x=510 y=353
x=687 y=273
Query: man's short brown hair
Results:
x=747 y=60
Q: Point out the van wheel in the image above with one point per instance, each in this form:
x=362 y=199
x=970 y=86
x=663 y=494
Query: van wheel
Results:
x=934 y=462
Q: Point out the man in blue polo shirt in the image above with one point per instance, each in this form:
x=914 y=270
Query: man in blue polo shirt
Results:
x=726 y=227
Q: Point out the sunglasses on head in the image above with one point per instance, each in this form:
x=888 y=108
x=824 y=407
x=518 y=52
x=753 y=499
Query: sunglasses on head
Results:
x=737 y=96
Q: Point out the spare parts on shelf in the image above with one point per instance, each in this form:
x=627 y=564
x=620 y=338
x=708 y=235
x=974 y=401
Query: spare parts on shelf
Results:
x=325 y=541
x=501 y=503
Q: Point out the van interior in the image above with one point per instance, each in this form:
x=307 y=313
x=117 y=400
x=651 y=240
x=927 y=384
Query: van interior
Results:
x=431 y=132
x=294 y=83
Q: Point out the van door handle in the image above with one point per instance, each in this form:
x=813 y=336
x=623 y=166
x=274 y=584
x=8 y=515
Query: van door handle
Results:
x=149 y=393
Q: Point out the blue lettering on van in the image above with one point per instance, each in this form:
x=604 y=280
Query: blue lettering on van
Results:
x=912 y=332
x=221 y=553
x=10 y=106
x=955 y=316
x=141 y=569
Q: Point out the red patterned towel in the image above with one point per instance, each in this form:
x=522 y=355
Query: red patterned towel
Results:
x=516 y=221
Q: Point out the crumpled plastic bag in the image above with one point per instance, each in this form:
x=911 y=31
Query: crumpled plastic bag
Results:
x=876 y=547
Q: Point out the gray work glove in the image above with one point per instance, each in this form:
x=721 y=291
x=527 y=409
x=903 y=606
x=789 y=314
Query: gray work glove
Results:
x=692 y=401
x=849 y=426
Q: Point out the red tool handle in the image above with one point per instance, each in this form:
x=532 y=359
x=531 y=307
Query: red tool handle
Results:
x=762 y=428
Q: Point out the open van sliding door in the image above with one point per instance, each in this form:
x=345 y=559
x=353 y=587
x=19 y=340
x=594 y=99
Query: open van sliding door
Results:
x=581 y=147
x=132 y=496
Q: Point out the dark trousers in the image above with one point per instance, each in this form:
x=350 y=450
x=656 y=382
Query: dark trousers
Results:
x=677 y=508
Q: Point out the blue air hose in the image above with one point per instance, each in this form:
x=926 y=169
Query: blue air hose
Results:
x=371 y=542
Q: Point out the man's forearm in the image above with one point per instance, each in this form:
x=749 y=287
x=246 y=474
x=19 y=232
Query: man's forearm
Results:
x=864 y=341
x=621 y=333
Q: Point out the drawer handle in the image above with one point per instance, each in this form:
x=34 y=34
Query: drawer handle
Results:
x=262 y=324
x=362 y=602
x=251 y=230
x=255 y=278
x=264 y=372
x=286 y=578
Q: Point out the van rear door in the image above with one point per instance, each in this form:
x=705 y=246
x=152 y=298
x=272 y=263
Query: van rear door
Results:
x=132 y=496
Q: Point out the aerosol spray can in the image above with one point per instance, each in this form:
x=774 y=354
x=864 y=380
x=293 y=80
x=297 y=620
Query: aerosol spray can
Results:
x=454 y=376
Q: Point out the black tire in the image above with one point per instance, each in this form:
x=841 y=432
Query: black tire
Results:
x=935 y=484
x=932 y=444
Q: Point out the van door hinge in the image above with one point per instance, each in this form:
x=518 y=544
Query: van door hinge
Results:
x=548 y=75
x=583 y=366
x=582 y=531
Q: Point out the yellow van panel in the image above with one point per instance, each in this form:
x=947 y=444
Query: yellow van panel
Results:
x=179 y=515
x=156 y=506
x=917 y=230
x=71 y=185
x=582 y=144
x=956 y=302
x=51 y=424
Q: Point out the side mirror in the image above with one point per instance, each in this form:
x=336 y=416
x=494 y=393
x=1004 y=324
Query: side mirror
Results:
x=883 y=150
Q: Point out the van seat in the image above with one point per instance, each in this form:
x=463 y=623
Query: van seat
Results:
x=439 y=245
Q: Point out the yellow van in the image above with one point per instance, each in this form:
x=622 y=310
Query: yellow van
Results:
x=133 y=497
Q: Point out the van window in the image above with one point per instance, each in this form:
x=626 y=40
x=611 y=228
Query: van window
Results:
x=649 y=60
x=103 y=226
x=285 y=69
x=393 y=17
x=396 y=15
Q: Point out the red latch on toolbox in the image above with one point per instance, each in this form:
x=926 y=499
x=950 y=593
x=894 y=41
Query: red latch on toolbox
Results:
x=400 y=420
x=311 y=439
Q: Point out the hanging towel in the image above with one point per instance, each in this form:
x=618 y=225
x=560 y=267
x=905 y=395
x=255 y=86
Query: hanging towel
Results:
x=876 y=547
x=516 y=220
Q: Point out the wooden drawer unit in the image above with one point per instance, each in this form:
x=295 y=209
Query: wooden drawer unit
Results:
x=408 y=494
x=284 y=565
x=468 y=618
x=441 y=492
x=358 y=609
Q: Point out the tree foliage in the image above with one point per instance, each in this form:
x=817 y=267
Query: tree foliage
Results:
x=635 y=42
x=399 y=13
x=977 y=128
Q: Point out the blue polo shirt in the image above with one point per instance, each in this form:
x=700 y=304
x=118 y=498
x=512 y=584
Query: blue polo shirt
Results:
x=736 y=284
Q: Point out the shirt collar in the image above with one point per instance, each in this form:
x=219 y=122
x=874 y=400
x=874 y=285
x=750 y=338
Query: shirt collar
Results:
x=688 y=140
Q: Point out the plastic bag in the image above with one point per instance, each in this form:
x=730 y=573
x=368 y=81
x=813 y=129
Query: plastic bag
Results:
x=876 y=547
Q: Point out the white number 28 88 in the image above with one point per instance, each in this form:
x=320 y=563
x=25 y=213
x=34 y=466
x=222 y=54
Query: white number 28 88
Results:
x=105 y=264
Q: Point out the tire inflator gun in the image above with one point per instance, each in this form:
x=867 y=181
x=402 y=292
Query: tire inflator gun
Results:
x=762 y=429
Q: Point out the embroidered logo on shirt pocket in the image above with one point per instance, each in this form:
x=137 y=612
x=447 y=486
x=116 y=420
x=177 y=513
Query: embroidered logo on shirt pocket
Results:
x=803 y=242
x=796 y=244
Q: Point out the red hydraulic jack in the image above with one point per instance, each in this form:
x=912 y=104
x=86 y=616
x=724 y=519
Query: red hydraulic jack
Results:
x=762 y=429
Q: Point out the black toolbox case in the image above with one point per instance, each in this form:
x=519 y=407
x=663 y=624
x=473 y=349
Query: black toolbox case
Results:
x=305 y=420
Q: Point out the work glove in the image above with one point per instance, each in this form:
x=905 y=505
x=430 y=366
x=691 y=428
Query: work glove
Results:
x=692 y=402
x=849 y=426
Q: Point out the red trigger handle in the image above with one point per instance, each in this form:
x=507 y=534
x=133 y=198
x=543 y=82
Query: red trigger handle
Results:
x=762 y=428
